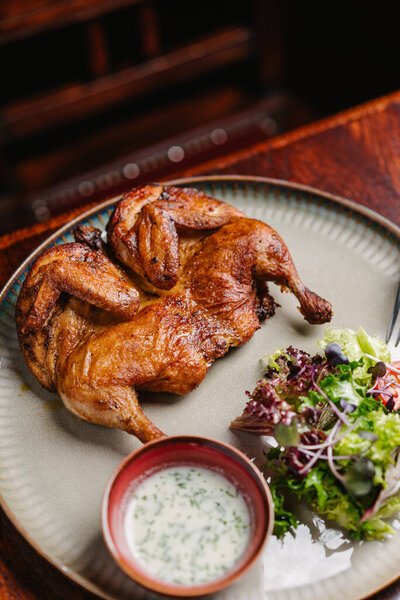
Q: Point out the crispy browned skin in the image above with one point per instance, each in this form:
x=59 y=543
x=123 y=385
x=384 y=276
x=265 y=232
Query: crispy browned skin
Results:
x=67 y=270
x=221 y=263
x=143 y=229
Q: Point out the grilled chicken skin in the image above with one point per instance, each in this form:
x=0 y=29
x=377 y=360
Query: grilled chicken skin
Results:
x=198 y=285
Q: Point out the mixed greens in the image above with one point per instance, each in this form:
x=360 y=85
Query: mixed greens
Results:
x=335 y=419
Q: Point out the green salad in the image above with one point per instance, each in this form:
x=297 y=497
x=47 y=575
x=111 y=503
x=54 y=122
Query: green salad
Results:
x=336 y=422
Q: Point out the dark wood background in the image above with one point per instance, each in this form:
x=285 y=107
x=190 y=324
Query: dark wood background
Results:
x=89 y=88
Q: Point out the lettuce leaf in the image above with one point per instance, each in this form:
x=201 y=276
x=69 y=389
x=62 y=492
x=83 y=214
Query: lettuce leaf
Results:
x=355 y=344
x=386 y=428
x=321 y=491
x=285 y=520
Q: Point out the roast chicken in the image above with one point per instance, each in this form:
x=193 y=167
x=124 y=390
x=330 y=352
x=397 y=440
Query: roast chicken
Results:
x=182 y=278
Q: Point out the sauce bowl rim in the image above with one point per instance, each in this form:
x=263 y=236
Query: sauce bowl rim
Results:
x=173 y=590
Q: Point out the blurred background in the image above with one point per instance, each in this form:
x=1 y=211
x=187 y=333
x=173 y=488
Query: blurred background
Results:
x=100 y=95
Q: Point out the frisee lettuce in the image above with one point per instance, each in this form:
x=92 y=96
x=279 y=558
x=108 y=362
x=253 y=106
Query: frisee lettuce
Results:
x=355 y=344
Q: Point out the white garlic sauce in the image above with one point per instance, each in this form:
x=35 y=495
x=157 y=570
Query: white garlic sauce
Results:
x=187 y=525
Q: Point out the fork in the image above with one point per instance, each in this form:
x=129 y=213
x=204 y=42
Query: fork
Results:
x=393 y=319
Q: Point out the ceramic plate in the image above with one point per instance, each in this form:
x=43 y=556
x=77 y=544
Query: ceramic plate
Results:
x=54 y=467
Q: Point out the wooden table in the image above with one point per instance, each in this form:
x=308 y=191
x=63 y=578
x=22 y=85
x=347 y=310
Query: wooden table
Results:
x=355 y=154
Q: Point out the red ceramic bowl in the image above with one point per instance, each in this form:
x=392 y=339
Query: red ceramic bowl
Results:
x=183 y=450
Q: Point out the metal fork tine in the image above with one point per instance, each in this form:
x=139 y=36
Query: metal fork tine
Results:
x=395 y=313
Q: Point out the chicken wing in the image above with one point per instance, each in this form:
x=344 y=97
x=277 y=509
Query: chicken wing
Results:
x=143 y=230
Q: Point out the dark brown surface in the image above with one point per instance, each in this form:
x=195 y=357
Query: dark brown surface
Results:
x=78 y=100
x=116 y=63
x=113 y=152
x=20 y=18
x=355 y=154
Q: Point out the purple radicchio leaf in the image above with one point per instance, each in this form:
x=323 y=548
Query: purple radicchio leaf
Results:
x=276 y=397
x=264 y=410
x=301 y=369
x=294 y=459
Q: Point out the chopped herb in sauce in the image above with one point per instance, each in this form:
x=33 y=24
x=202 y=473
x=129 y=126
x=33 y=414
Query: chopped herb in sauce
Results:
x=187 y=525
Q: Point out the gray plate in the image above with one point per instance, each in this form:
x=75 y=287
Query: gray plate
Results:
x=54 y=467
